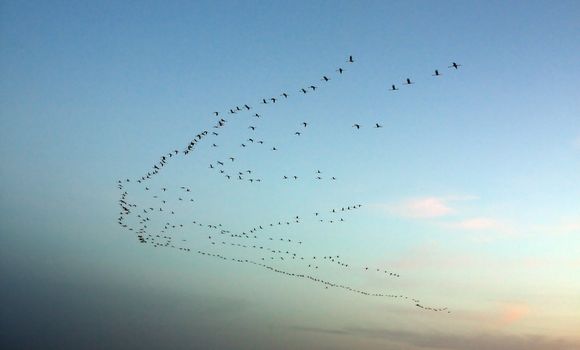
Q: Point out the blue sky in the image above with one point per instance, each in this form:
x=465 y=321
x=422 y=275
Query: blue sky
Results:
x=470 y=189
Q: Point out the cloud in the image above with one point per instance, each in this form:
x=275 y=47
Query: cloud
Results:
x=426 y=207
x=477 y=224
x=563 y=228
x=513 y=312
x=485 y=229
x=480 y=341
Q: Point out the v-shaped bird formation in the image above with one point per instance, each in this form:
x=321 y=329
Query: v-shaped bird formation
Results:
x=164 y=217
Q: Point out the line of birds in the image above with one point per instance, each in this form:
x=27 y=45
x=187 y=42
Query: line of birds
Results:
x=145 y=237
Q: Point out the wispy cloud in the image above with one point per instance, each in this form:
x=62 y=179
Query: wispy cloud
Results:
x=425 y=207
x=483 y=229
x=564 y=228
x=513 y=312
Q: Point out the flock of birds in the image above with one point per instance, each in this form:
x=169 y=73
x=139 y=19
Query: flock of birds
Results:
x=165 y=212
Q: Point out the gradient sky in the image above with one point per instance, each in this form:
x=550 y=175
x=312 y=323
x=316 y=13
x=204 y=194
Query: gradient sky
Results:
x=470 y=190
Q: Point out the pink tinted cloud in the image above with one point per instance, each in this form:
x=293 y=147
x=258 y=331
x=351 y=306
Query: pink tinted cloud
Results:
x=513 y=312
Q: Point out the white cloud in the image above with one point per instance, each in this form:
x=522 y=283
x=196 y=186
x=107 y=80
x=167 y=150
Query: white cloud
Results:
x=426 y=207
x=430 y=207
x=477 y=224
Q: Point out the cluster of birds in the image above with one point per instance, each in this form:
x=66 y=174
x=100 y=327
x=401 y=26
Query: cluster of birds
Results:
x=158 y=222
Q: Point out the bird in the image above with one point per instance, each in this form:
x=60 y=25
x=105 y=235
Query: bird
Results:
x=356 y=126
x=232 y=159
x=305 y=124
x=377 y=125
x=252 y=127
x=313 y=87
x=409 y=82
x=216 y=113
x=454 y=65
x=303 y=90
x=436 y=74
x=273 y=100
x=247 y=107
x=394 y=88
x=325 y=78
x=284 y=94
x=297 y=133
x=274 y=149
x=340 y=70
x=350 y=59
x=257 y=115
x=264 y=101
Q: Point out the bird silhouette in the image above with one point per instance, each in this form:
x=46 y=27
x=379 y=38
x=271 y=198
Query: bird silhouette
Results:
x=454 y=65
x=436 y=74
x=356 y=126
x=409 y=82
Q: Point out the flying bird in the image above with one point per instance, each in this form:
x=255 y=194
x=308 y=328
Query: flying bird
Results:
x=436 y=74
x=454 y=65
x=356 y=126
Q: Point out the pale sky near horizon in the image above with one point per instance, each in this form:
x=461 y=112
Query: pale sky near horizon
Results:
x=469 y=190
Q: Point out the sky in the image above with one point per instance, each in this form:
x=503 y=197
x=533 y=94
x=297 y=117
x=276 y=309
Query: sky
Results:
x=469 y=190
